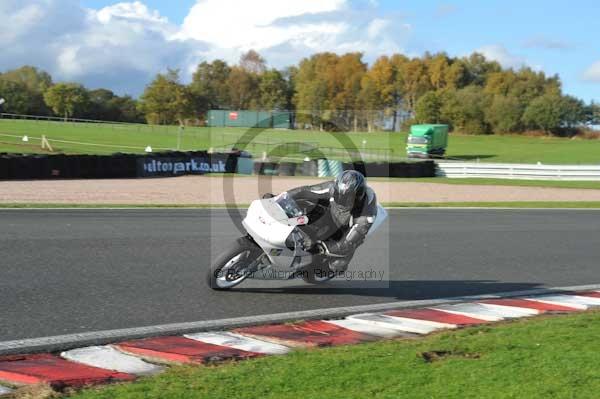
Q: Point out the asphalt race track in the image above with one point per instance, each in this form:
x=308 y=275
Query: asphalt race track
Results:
x=70 y=271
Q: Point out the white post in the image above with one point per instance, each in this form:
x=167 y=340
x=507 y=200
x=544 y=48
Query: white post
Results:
x=46 y=144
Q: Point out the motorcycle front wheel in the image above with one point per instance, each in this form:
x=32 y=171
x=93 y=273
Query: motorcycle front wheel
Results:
x=231 y=267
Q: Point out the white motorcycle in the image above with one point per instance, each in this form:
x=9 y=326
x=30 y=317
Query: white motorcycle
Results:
x=273 y=247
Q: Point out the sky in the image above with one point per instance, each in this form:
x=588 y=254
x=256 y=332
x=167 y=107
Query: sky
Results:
x=122 y=45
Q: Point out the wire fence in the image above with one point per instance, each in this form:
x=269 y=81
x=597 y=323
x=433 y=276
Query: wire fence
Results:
x=311 y=150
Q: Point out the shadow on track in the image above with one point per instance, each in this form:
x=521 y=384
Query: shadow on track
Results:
x=401 y=290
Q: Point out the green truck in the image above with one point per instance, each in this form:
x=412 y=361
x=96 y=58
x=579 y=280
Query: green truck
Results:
x=427 y=140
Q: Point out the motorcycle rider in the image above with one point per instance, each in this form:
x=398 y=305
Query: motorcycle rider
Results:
x=350 y=209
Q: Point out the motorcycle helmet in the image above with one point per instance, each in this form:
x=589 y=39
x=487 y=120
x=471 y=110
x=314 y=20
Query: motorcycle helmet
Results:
x=349 y=189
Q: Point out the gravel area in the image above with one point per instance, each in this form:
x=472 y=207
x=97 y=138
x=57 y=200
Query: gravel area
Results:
x=218 y=190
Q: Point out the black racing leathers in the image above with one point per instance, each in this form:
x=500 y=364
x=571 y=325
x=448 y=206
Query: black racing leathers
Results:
x=340 y=230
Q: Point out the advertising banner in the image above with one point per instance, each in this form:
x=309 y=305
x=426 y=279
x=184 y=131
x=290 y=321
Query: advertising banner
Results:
x=150 y=166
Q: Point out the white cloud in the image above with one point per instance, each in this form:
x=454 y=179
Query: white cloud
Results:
x=249 y=24
x=499 y=53
x=286 y=30
x=592 y=74
x=120 y=47
x=376 y=27
x=123 y=45
x=132 y=11
x=21 y=21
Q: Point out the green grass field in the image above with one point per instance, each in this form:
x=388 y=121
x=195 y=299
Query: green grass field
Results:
x=594 y=185
x=545 y=357
x=106 y=138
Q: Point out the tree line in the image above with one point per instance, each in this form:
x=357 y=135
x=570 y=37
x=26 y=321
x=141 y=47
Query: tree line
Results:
x=30 y=91
x=329 y=92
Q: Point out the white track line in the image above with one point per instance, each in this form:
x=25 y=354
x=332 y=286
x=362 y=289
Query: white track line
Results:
x=107 y=357
x=516 y=310
x=366 y=328
x=5 y=391
x=480 y=311
x=240 y=342
x=399 y=323
x=579 y=302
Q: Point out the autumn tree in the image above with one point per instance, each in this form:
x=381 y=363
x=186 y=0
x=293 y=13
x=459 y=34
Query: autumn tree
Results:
x=107 y=106
x=253 y=62
x=244 y=81
x=456 y=74
x=544 y=112
x=243 y=89
x=415 y=83
x=290 y=75
x=572 y=112
x=504 y=114
x=209 y=86
x=465 y=109
x=312 y=89
x=31 y=83
x=524 y=84
x=101 y=106
x=478 y=68
x=166 y=100
x=128 y=109
x=33 y=78
x=376 y=91
x=345 y=90
x=369 y=100
x=437 y=68
x=429 y=108
x=398 y=62
x=67 y=99
x=17 y=97
x=273 y=90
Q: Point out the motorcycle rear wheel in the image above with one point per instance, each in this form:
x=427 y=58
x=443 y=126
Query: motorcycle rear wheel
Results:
x=230 y=268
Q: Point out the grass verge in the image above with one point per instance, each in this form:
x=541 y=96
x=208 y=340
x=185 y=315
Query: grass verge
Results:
x=592 y=185
x=513 y=204
x=545 y=357
x=507 y=204
x=111 y=206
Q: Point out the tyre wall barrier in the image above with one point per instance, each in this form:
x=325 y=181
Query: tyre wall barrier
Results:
x=322 y=168
x=266 y=168
x=393 y=169
x=309 y=168
x=60 y=166
x=24 y=167
x=287 y=169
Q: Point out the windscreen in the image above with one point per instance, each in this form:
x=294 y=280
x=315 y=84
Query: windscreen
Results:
x=417 y=140
x=288 y=205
